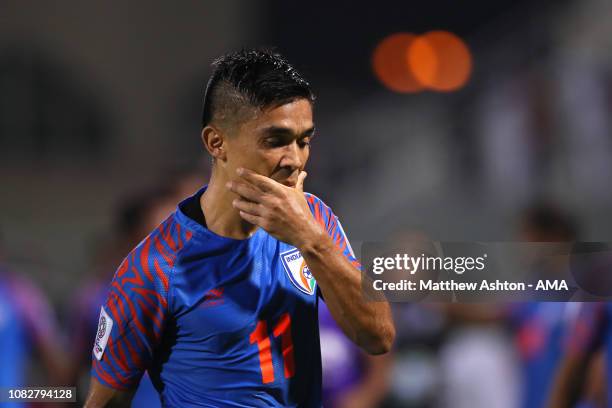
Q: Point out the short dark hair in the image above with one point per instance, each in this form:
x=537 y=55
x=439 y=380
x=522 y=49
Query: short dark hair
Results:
x=132 y=212
x=251 y=79
x=551 y=221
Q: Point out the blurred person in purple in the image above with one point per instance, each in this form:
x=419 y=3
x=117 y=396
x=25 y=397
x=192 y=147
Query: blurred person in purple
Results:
x=28 y=334
x=351 y=378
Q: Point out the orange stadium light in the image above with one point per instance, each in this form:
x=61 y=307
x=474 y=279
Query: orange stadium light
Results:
x=391 y=66
x=440 y=60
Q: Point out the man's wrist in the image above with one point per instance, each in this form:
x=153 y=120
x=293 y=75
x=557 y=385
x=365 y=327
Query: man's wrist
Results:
x=315 y=242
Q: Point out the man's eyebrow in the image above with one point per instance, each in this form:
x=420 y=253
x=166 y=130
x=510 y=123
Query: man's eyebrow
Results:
x=283 y=131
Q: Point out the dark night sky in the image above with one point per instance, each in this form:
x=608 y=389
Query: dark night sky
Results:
x=345 y=33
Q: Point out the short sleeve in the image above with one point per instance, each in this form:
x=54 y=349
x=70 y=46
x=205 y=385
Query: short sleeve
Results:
x=132 y=318
x=587 y=329
x=325 y=216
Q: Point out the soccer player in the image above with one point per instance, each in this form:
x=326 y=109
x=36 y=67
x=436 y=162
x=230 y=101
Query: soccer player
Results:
x=589 y=347
x=540 y=329
x=219 y=303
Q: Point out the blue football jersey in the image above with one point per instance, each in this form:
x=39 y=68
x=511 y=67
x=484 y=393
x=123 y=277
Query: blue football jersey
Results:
x=215 y=321
x=541 y=334
x=593 y=331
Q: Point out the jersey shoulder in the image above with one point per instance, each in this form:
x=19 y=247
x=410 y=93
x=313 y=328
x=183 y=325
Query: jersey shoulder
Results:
x=321 y=211
x=151 y=263
x=132 y=318
x=324 y=215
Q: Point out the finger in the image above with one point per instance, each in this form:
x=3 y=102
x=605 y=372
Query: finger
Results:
x=245 y=191
x=253 y=219
x=300 y=181
x=247 y=206
x=263 y=183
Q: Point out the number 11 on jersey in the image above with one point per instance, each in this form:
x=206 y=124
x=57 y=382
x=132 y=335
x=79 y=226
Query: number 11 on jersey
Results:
x=260 y=337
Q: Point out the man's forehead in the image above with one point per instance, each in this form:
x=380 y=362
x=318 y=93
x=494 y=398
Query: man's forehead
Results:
x=295 y=115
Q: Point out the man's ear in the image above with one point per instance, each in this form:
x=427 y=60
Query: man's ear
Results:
x=214 y=142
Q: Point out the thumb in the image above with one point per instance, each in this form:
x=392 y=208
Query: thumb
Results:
x=300 y=182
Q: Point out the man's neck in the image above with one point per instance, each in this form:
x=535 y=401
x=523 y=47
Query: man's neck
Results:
x=221 y=217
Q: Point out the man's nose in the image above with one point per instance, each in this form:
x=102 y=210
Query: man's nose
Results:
x=292 y=156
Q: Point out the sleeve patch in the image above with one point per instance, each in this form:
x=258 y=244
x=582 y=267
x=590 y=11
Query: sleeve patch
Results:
x=105 y=325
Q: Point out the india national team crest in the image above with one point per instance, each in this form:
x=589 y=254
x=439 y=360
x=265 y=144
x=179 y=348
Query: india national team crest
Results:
x=298 y=271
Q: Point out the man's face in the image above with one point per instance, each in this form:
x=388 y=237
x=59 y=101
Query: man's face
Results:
x=275 y=143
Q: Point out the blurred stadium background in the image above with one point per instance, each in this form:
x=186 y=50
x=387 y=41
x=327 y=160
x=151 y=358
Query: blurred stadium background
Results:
x=441 y=118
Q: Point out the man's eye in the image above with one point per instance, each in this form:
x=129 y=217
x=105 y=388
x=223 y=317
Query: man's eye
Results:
x=279 y=142
x=273 y=142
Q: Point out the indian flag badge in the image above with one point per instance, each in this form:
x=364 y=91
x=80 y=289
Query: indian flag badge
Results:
x=298 y=271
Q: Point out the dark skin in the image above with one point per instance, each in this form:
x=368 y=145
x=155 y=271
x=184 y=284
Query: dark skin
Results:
x=257 y=182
